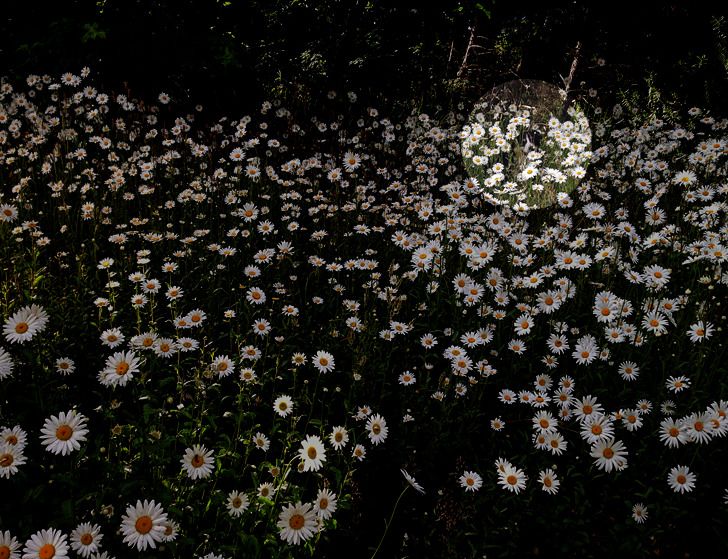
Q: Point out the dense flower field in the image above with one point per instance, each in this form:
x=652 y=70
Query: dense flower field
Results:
x=211 y=328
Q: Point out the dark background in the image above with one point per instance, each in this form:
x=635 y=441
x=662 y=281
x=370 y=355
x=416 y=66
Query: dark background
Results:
x=228 y=54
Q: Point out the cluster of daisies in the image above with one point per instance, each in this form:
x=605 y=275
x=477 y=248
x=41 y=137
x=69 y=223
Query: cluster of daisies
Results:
x=515 y=159
x=256 y=282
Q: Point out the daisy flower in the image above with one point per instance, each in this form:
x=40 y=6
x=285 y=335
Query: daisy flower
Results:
x=323 y=361
x=377 y=429
x=266 y=490
x=297 y=523
x=62 y=434
x=549 y=482
x=412 y=481
x=196 y=317
x=325 y=504
x=407 y=378
x=6 y=364
x=174 y=292
x=544 y=422
x=164 y=347
x=198 y=462
x=283 y=405
x=247 y=374
x=339 y=437
x=171 y=529
x=119 y=368
x=143 y=525
x=261 y=327
x=9 y=546
x=16 y=437
x=151 y=285
x=24 y=324
x=46 y=544
x=629 y=370
x=699 y=428
x=112 y=337
x=255 y=296
x=312 y=452
x=261 y=441
x=65 y=366
x=85 y=538
x=639 y=513
x=187 y=344
x=596 y=428
x=512 y=479
x=681 y=479
x=8 y=213
x=359 y=452
x=470 y=481
x=677 y=384
x=700 y=331
x=223 y=366
x=237 y=503
x=11 y=456
x=609 y=454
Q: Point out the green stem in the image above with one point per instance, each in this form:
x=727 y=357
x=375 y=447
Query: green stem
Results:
x=389 y=522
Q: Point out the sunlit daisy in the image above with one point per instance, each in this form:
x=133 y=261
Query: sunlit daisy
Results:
x=64 y=433
x=325 y=504
x=339 y=437
x=681 y=479
x=470 y=481
x=85 y=538
x=198 y=462
x=11 y=456
x=312 y=452
x=120 y=368
x=9 y=546
x=297 y=523
x=143 y=525
x=377 y=429
x=237 y=503
x=323 y=361
x=549 y=482
x=283 y=405
x=46 y=544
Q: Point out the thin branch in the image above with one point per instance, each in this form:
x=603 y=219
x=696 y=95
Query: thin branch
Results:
x=568 y=79
x=467 y=51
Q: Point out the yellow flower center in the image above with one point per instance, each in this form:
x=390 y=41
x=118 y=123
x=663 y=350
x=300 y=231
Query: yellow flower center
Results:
x=296 y=521
x=86 y=539
x=6 y=460
x=311 y=452
x=21 y=327
x=64 y=432
x=143 y=524
x=47 y=551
